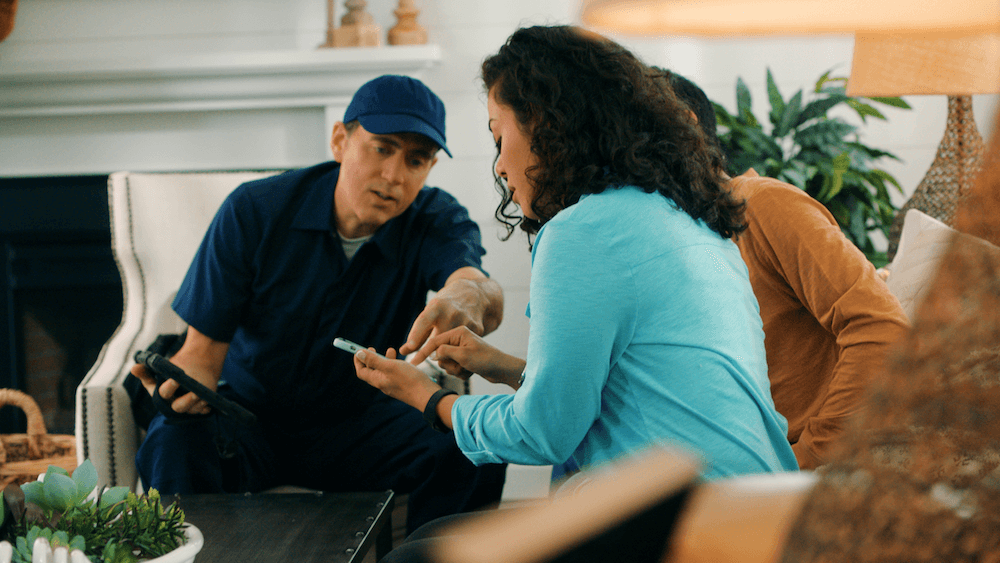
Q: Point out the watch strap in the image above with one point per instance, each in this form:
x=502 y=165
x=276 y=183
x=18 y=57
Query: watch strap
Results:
x=430 y=411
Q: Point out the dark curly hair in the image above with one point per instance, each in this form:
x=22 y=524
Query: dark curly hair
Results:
x=600 y=118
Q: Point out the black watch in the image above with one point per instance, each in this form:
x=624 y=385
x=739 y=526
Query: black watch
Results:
x=431 y=413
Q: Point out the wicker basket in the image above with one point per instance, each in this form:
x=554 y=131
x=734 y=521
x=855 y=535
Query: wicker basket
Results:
x=23 y=457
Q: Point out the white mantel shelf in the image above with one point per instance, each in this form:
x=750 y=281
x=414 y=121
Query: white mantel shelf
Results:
x=201 y=82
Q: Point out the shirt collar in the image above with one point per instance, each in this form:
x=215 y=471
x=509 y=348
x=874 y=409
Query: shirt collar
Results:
x=315 y=213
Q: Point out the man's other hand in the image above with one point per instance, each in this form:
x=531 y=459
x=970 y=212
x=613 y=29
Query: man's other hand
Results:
x=201 y=358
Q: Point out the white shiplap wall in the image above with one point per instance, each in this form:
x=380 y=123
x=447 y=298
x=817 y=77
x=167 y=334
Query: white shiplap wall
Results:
x=466 y=31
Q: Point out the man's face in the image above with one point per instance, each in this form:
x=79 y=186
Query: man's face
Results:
x=380 y=176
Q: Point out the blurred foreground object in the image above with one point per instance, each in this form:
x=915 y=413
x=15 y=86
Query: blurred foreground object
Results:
x=625 y=514
x=641 y=510
x=914 y=478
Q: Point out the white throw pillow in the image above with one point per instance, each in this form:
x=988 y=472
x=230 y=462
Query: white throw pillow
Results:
x=922 y=244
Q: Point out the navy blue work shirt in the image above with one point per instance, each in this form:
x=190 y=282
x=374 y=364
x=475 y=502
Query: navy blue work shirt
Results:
x=271 y=278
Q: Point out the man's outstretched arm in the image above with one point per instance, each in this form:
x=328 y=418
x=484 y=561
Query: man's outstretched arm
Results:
x=469 y=298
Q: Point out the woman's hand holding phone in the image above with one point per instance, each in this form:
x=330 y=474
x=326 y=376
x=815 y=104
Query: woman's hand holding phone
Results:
x=396 y=378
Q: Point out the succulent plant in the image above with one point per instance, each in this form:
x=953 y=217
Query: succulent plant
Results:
x=109 y=526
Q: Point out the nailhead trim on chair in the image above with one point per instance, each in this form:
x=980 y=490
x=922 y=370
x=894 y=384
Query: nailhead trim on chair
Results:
x=83 y=418
x=113 y=477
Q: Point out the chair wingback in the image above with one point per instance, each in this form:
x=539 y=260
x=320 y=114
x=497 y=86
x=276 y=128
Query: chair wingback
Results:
x=157 y=224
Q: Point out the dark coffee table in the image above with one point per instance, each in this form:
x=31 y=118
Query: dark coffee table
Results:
x=301 y=527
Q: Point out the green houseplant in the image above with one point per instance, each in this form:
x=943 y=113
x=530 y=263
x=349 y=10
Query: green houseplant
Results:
x=818 y=152
x=111 y=526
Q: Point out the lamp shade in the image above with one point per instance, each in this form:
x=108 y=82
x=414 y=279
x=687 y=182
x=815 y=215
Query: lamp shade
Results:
x=914 y=64
x=790 y=17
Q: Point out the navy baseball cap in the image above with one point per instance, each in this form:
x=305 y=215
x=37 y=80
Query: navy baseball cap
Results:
x=398 y=104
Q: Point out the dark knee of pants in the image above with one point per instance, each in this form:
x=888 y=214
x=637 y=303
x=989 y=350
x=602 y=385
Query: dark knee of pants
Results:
x=451 y=484
x=179 y=458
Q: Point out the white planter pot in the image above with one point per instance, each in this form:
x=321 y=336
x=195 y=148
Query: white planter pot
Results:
x=186 y=552
x=43 y=553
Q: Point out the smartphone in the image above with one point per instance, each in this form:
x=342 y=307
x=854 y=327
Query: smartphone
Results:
x=348 y=346
x=429 y=368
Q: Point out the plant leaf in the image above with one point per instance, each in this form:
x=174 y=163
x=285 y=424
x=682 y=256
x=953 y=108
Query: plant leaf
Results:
x=870 y=153
x=833 y=91
x=777 y=102
x=825 y=78
x=895 y=102
x=59 y=492
x=85 y=477
x=824 y=134
x=33 y=492
x=57 y=469
x=886 y=177
x=744 y=104
x=113 y=496
x=789 y=117
x=818 y=108
x=865 y=110
x=722 y=116
x=834 y=180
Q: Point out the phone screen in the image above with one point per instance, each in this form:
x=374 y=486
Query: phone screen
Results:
x=348 y=346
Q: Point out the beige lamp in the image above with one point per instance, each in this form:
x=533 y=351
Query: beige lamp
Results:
x=789 y=17
x=916 y=64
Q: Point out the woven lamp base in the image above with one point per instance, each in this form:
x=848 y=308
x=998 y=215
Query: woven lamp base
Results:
x=951 y=175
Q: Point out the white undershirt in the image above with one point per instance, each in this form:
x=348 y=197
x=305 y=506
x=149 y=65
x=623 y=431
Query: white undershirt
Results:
x=351 y=245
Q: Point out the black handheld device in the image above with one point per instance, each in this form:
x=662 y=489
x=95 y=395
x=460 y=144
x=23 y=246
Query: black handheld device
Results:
x=163 y=369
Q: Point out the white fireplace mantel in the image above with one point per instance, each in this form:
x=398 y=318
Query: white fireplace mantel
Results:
x=214 y=111
x=198 y=82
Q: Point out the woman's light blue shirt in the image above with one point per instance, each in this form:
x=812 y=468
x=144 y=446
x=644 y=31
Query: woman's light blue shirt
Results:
x=644 y=329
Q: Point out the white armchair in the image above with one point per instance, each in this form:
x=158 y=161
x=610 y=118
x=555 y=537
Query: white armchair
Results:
x=157 y=224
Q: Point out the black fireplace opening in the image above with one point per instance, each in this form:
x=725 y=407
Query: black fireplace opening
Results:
x=60 y=293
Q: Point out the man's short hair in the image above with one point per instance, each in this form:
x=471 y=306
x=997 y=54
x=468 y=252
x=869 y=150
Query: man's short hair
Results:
x=695 y=98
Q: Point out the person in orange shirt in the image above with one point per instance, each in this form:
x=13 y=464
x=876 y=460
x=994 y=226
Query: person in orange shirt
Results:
x=828 y=316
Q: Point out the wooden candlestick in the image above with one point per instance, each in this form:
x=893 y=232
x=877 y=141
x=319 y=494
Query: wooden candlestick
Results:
x=407 y=31
x=357 y=27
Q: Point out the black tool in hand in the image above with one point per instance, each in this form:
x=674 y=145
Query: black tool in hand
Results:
x=163 y=369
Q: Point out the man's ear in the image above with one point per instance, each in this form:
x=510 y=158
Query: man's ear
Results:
x=338 y=141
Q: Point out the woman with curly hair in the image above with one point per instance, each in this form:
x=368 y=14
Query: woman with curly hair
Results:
x=644 y=327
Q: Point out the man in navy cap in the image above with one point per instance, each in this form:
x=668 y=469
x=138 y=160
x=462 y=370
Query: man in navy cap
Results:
x=348 y=248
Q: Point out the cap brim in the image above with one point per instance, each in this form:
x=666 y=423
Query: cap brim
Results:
x=388 y=124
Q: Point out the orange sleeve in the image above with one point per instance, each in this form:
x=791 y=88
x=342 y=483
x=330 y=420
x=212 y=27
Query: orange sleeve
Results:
x=828 y=318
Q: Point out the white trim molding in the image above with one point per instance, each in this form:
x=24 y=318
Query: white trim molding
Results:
x=201 y=82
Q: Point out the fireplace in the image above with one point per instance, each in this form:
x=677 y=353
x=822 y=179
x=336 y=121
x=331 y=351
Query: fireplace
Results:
x=66 y=124
x=61 y=293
